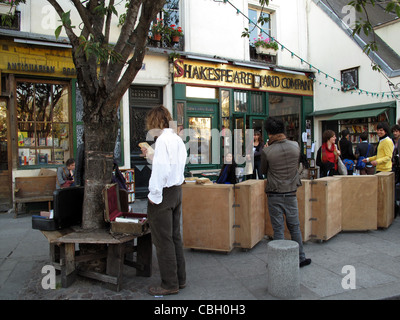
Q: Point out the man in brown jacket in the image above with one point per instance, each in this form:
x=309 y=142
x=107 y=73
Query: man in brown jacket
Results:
x=279 y=163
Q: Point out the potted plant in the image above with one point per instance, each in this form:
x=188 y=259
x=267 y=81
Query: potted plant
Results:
x=8 y=6
x=265 y=46
x=174 y=33
x=158 y=29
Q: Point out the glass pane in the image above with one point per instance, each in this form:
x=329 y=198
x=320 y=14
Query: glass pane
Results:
x=200 y=140
x=240 y=101
x=288 y=109
x=61 y=134
x=42 y=101
x=3 y=136
x=256 y=103
x=258 y=125
x=25 y=92
x=26 y=134
x=254 y=31
x=60 y=103
x=225 y=103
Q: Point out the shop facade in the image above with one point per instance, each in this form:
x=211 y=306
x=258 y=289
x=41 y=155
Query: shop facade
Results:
x=39 y=117
x=219 y=101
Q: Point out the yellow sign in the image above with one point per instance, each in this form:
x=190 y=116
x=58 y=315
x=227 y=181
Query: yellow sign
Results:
x=224 y=75
x=30 y=59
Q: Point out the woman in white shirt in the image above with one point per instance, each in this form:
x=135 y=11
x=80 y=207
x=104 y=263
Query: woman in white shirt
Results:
x=165 y=202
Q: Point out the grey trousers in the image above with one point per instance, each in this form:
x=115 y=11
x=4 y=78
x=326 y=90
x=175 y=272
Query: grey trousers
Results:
x=286 y=205
x=164 y=220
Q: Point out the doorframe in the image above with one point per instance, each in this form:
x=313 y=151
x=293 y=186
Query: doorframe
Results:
x=9 y=151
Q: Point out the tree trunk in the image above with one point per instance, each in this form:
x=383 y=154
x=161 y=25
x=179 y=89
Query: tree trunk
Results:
x=100 y=139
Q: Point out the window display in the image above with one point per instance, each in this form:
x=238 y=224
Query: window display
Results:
x=288 y=109
x=43 y=123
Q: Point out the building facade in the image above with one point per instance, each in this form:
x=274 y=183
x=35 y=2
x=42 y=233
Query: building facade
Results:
x=213 y=80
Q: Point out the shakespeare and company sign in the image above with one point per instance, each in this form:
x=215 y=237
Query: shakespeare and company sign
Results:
x=230 y=76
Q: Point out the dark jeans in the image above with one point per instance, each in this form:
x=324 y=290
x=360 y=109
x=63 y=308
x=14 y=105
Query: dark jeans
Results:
x=286 y=205
x=164 y=220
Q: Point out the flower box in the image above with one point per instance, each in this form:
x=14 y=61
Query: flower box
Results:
x=262 y=50
x=6 y=8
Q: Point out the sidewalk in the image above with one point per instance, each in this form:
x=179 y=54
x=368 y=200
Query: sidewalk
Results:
x=238 y=275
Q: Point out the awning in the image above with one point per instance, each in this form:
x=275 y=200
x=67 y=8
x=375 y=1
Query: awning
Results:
x=357 y=114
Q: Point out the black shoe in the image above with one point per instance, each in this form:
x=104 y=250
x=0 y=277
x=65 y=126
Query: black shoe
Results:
x=305 y=262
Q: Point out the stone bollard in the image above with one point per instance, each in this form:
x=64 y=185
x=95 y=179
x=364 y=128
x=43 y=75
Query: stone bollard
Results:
x=283 y=269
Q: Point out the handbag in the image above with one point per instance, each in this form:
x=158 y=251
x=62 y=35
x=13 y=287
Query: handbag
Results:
x=341 y=167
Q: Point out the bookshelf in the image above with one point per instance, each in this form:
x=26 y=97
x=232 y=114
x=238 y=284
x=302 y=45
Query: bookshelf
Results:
x=129 y=175
x=358 y=126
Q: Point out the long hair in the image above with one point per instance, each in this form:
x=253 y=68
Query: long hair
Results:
x=158 y=118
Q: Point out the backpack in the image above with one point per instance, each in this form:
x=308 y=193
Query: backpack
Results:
x=360 y=164
x=349 y=164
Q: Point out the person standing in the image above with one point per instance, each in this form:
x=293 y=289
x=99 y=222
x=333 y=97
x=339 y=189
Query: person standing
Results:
x=346 y=149
x=165 y=202
x=327 y=155
x=365 y=150
x=383 y=159
x=279 y=163
x=257 y=148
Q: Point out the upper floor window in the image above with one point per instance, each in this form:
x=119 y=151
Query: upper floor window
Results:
x=166 y=31
x=256 y=34
x=12 y=22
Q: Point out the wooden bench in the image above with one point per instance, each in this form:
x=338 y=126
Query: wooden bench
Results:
x=34 y=189
x=67 y=260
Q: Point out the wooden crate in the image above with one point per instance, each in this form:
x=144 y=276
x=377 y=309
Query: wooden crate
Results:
x=208 y=216
x=359 y=202
x=249 y=213
x=326 y=207
x=385 y=199
x=304 y=207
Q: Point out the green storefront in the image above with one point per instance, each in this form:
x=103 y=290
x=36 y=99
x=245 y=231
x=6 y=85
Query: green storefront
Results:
x=218 y=102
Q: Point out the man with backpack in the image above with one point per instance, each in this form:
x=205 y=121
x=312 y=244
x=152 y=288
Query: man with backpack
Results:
x=364 y=150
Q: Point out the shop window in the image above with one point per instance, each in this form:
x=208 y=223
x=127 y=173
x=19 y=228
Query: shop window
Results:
x=200 y=140
x=240 y=101
x=43 y=123
x=287 y=108
x=256 y=102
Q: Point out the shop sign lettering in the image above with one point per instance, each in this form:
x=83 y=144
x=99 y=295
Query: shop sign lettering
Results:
x=226 y=75
x=28 y=67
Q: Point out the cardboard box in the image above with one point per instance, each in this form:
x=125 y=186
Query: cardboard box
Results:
x=249 y=213
x=208 y=216
x=326 y=207
x=385 y=199
x=113 y=211
x=359 y=202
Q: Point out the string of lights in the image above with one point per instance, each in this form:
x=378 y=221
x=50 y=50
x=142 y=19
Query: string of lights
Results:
x=387 y=94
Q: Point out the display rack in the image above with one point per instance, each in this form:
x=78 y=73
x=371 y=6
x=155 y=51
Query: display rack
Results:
x=129 y=175
x=358 y=126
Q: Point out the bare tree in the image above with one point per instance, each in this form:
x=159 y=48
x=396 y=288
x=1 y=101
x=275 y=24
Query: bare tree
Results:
x=104 y=73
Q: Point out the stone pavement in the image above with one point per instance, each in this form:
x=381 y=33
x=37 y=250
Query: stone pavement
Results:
x=239 y=275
